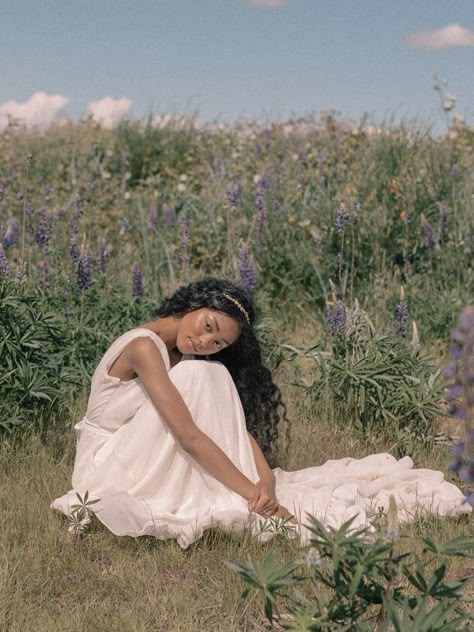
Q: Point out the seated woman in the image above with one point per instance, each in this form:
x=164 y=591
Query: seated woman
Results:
x=172 y=446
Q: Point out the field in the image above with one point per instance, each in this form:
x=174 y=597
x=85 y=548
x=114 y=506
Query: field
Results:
x=325 y=224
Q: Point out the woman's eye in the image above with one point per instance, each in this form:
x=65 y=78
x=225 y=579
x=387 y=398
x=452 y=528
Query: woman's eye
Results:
x=208 y=326
x=218 y=344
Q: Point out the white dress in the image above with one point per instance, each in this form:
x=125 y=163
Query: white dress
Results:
x=148 y=485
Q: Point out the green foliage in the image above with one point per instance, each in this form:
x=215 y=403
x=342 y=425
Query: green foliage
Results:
x=395 y=183
x=33 y=358
x=355 y=581
x=377 y=380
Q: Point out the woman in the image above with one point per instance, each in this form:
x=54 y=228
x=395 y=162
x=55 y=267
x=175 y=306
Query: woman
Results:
x=173 y=447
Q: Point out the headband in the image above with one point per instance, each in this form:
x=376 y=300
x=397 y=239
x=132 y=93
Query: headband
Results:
x=238 y=305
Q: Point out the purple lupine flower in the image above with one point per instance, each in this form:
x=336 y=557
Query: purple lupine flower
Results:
x=11 y=234
x=234 y=193
x=247 y=269
x=454 y=171
x=73 y=223
x=336 y=318
x=44 y=229
x=169 y=216
x=4 y=267
x=443 y=221
x=264 y=181
x=152 y=218
x=103 y=256
x=400 y=317
x=343 y=218
x=430 y=236
x=73 y=248
x=20 y=197
x=262 y=214
x=137 y=281
x=84 y=270
x=124 y=225
x=460 y=394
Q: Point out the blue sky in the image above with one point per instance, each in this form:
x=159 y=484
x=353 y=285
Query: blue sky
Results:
x=226 y=59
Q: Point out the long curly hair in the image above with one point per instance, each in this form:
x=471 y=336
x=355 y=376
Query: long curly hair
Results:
x=260 y=397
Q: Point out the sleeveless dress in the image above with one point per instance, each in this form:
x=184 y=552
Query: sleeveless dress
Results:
x=147 y=484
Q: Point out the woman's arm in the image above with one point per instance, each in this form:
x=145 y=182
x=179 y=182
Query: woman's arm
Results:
x=264 y=472
x=264 y=500
x=143 y=357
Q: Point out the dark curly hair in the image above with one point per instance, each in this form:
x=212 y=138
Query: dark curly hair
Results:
x=261 y=398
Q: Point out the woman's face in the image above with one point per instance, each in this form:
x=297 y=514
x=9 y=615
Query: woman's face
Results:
x=205 y=331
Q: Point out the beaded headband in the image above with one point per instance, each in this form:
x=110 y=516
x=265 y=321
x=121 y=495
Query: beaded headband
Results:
x=238 y=305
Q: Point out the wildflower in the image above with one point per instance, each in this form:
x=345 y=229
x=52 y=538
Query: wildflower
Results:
x=336 y=317
x=234 y=194
x=84 y=270
x=73 y=248
x=415 y=340
x=262 y=213
x=104 y=252
x=169 y=216
x=430 y=238
x=152 y=218
x=343 y=218
x=2 y=188
x=137 y=281
x=4 y=267
x=247 y=270
x=44 y=229
x=460 y=394
x=12 y=233
x=400 y=316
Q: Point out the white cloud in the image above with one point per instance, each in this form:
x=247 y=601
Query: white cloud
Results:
x=108 y=111
x=452 y=36
x=266 y=3
x=39 y=110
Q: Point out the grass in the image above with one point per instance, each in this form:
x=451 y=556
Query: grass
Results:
x=50 y=580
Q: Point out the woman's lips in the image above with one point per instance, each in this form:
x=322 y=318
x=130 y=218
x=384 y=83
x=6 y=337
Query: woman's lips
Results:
x=192 y=345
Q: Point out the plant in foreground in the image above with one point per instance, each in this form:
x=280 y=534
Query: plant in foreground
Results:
x=460 y=394
x=81 y=514
x=355 y=581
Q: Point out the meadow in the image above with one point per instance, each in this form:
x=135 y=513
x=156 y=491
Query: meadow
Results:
x=358 y=245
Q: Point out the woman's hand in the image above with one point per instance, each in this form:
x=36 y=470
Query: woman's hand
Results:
x=263 y=499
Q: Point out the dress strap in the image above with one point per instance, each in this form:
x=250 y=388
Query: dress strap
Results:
x=120 y=343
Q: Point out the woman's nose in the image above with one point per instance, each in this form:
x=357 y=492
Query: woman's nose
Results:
x=208 y=340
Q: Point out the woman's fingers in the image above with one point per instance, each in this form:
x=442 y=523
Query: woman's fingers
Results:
x=263 y=504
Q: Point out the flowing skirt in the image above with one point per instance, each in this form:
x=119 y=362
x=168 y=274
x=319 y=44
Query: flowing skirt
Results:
x=148 y=485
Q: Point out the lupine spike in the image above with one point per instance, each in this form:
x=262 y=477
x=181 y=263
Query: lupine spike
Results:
x=460 y=395
x=12 y=233
x=415 y=339
x=137 y=281
x=4 y=266
x=247 y=270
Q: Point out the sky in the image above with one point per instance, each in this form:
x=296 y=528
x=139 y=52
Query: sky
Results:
x=225 y=60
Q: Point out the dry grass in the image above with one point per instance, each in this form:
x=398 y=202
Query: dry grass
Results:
x=52 y=581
